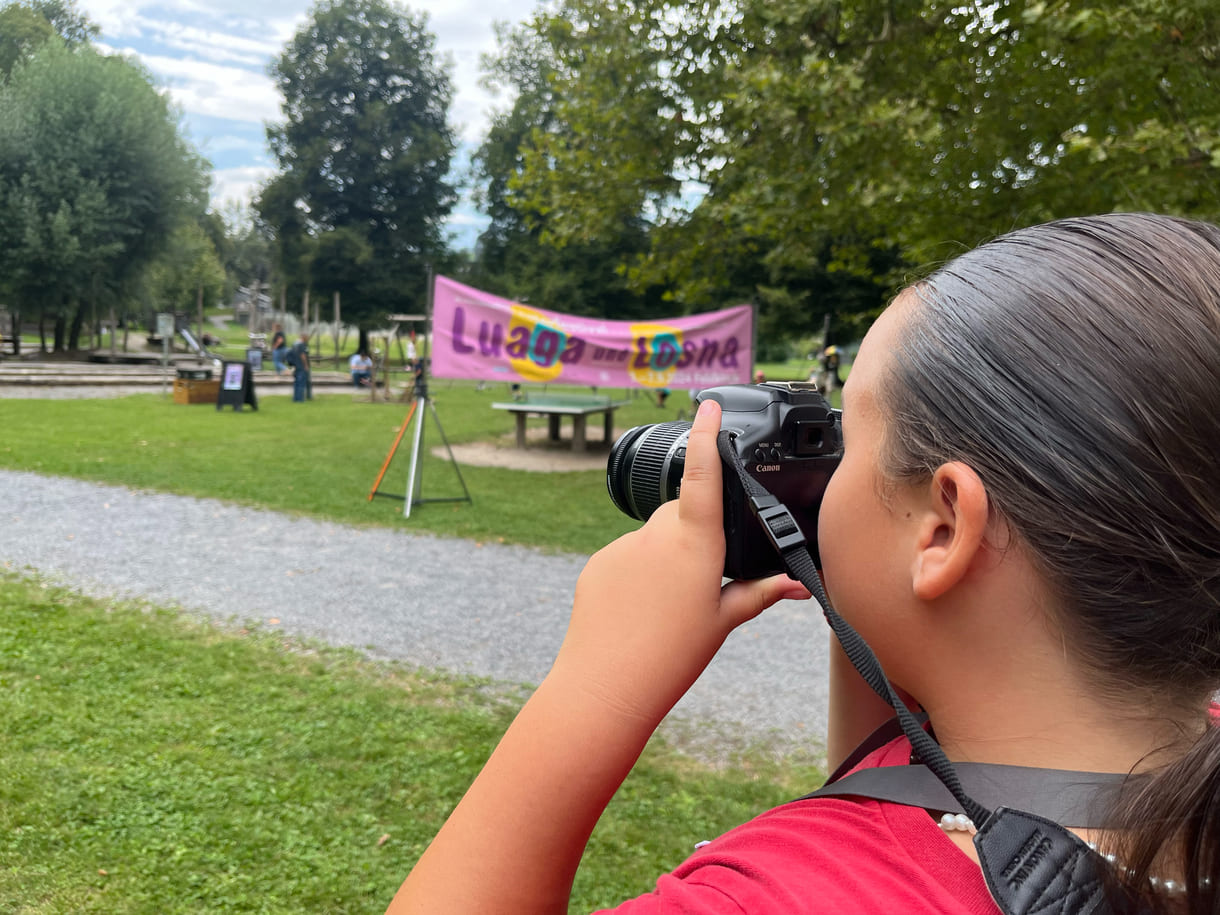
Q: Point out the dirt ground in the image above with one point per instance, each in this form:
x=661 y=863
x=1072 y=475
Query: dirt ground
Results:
x=540 y=454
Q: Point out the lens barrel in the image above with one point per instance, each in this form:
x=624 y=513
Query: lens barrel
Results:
x=645 y=467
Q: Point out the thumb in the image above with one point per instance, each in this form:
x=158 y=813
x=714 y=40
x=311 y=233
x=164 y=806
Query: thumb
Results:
x=741 y=601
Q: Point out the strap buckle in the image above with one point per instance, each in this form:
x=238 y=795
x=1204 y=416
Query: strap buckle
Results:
x=782 y=529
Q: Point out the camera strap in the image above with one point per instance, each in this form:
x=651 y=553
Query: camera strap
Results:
x=1032 y=865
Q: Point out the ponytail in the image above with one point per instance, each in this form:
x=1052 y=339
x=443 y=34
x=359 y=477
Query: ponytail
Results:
x=1168 y=826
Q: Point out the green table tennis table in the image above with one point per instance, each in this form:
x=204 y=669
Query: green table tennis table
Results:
x=556 y=406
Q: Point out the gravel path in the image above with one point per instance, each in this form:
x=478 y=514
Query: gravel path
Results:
x=492 y=610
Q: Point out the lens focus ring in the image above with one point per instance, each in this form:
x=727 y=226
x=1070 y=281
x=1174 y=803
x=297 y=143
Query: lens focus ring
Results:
x=647 y=486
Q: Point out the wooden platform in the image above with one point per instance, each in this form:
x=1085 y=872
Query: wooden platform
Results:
x=188 y=390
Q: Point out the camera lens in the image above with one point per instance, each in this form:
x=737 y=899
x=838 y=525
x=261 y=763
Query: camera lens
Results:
x=645 y=467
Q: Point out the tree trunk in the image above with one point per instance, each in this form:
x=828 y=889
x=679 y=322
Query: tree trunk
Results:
x=337 y=325
x=283 y=302
x=61 y=333
x=305 y=312
x=114 y=330
x=42 y=329
x=78 y=321
x=16 y=318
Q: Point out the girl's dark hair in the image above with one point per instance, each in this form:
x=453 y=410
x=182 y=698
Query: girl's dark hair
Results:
x=1076 y=367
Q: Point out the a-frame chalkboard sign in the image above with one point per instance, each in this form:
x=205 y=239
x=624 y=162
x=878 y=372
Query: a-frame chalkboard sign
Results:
x=236 y=386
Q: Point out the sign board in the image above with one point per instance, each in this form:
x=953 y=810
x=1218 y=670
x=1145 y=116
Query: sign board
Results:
x=236 y=386
x=165 y=325
x=478 y=335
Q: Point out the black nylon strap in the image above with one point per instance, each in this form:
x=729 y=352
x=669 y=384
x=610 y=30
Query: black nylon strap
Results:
x=1078 y=799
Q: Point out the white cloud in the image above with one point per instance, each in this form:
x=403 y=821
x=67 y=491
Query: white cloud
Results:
x=225 y=143
x=216 y=90
x=238 y=184
x=212 y=56
x=214 y=45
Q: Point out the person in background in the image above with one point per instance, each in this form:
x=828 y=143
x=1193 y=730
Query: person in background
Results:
x=828 y=378
x=279 y=347
x=361 y=367
x=1036 y=566
x=760 y=376
x=298 y=358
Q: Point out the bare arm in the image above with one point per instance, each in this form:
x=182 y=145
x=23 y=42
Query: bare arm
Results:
x=649 y=614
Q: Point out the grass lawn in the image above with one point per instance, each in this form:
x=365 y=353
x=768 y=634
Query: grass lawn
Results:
x=156 y=764
x=321 y=459
x=153 y=763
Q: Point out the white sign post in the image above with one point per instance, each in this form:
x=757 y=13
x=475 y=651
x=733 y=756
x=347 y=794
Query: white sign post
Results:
x=165 y=330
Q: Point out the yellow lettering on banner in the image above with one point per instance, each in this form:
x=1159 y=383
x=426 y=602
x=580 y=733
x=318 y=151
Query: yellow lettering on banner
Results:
x=534 y=345
x=655 y=351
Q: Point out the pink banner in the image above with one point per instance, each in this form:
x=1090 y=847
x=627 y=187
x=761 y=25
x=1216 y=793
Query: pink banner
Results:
x=478 y=335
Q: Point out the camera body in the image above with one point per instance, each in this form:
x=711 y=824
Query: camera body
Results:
x=788 y=438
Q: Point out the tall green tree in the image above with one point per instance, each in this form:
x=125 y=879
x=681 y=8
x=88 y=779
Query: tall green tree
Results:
x=94 y=177
x=773 y=140
x=363 y=153
x=515 y=255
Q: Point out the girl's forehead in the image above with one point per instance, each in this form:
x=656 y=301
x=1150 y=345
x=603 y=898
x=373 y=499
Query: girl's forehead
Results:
x=879 y=343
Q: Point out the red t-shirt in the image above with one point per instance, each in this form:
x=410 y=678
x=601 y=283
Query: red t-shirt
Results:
x=827 y=855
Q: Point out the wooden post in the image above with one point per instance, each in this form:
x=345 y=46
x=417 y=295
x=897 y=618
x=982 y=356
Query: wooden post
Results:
x=199 y=308
x=305 y=312
x=252 y=326
x=337 y=325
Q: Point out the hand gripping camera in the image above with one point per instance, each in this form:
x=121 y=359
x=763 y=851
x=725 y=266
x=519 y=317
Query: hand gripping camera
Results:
x=787 y=437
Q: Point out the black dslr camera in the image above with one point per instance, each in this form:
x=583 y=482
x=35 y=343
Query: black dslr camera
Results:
x=786 y=435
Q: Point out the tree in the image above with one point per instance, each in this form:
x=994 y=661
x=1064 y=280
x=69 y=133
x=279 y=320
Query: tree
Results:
x=94 y=177
x=188 y=276
x=771 y=140
x=363 y=152
x=516 y=256
x=25 y=25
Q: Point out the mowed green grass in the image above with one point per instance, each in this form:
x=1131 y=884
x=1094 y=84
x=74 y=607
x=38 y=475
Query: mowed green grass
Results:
x=152 y=763
x=321 y=458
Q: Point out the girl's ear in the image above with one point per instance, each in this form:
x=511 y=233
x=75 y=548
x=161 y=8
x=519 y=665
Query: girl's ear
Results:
x=951 y=529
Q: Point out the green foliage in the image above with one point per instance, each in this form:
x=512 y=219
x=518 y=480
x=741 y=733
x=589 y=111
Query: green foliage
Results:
x=808 y=154
x=190 y=267
x=155 y=764
x=25 y=25
x=363 y=151
x=94 y=177
x=517 y=256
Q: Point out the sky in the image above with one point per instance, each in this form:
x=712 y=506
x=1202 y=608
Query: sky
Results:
x=211 y=56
